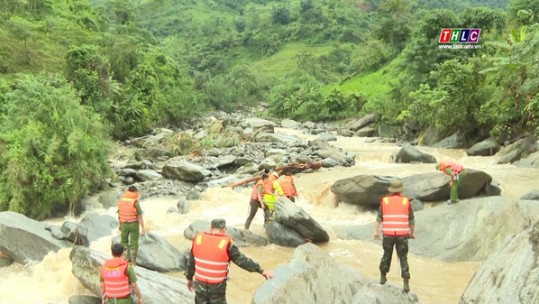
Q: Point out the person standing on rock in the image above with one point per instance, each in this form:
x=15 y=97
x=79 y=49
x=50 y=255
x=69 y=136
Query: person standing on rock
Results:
x=209 y=261
x=267 y=195
x=289 y=188
x=118 y=278
x=456 y=172
x=398 y=225
x=130 y=218
x=254 y=202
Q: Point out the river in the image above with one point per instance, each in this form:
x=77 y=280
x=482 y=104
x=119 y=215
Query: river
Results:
x=434 y=281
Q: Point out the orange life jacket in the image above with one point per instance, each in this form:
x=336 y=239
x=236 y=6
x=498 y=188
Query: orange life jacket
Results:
x=254 y=194
x=395 y=213
x=127 y=212
x=455 y=168
x=211 y=257
x=115 y=279
x=287 y=186
x=267 y=186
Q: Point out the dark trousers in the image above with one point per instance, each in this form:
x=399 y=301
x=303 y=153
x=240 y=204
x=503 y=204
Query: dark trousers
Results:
x=401 y=245
x=253 y=208
x=210 y=293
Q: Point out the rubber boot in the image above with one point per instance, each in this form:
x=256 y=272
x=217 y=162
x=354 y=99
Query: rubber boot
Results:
x=134 y=252
x=406 y=286
x=383 y=279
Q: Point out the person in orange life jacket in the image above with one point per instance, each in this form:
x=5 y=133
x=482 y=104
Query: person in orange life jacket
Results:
x=398 y=225
x=266 y=194
x=289 y=187
x=118 y=278
x=129 y=219
x=456 y=172
x=254 y=202
x=209 y=261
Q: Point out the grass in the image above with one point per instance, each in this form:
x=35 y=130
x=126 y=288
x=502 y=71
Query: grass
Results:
x=280 y=63
x=373 y=84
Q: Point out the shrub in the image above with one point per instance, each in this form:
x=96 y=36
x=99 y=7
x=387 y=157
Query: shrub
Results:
x=52 y=149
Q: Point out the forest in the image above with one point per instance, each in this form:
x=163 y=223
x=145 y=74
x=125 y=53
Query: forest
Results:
x=76 y=75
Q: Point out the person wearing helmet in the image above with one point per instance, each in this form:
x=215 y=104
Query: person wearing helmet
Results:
x=398 y=225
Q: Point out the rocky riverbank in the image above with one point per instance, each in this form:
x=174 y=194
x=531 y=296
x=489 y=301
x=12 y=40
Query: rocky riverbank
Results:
x=480 y=228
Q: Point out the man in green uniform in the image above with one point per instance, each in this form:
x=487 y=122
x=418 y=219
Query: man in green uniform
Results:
x=118 y=278
x=130 y=218
x=398 y=225
x=208 y=264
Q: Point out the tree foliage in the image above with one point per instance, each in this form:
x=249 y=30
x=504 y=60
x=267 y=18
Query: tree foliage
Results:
x=52 y=149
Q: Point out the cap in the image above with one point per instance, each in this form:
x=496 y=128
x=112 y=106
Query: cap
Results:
x=395 y=186
x=274 y=173
x=132 y=189
x=218 y=223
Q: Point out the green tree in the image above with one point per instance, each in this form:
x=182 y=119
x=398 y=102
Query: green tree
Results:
x=52 y=149
x=515 y=82
x=526 y=12
x=392 y=22
x=24 y=30
x=89 y=73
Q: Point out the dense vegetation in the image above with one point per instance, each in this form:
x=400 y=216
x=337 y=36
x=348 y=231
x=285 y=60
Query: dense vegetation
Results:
x=122 y=67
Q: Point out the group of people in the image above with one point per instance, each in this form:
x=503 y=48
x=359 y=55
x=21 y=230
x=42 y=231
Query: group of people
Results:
x=264 y=195
x=211 y=252
x=208 y=262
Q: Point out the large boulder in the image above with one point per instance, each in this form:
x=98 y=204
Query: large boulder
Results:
x=24 y=239
x=361 y=190
x=148 y=174
x=516 y=150
x=374 y=293
x=156 y=253
x=487 y=147
x=240 y=238
x=94 y=226
x=532 y=161
x=534 y=195
x=367 y=190
x=410 y=154
x=69 y=230
x=294 y=217
x=258 y=124
x=285 y=139
x=155 y=288
x=466 y=231
x=434 y=186
x=343 y=158
x=362 y=122
x=284 y=236
x=456 y=141
x=510 y=274
x=290 y=124
x=311 y=276
x=184 y=171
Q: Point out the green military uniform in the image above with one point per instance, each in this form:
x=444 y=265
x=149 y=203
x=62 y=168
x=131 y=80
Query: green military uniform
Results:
x=216 y=293
x=130 y=272
x=453 y=191
x=401 y=245
x=129 y=236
